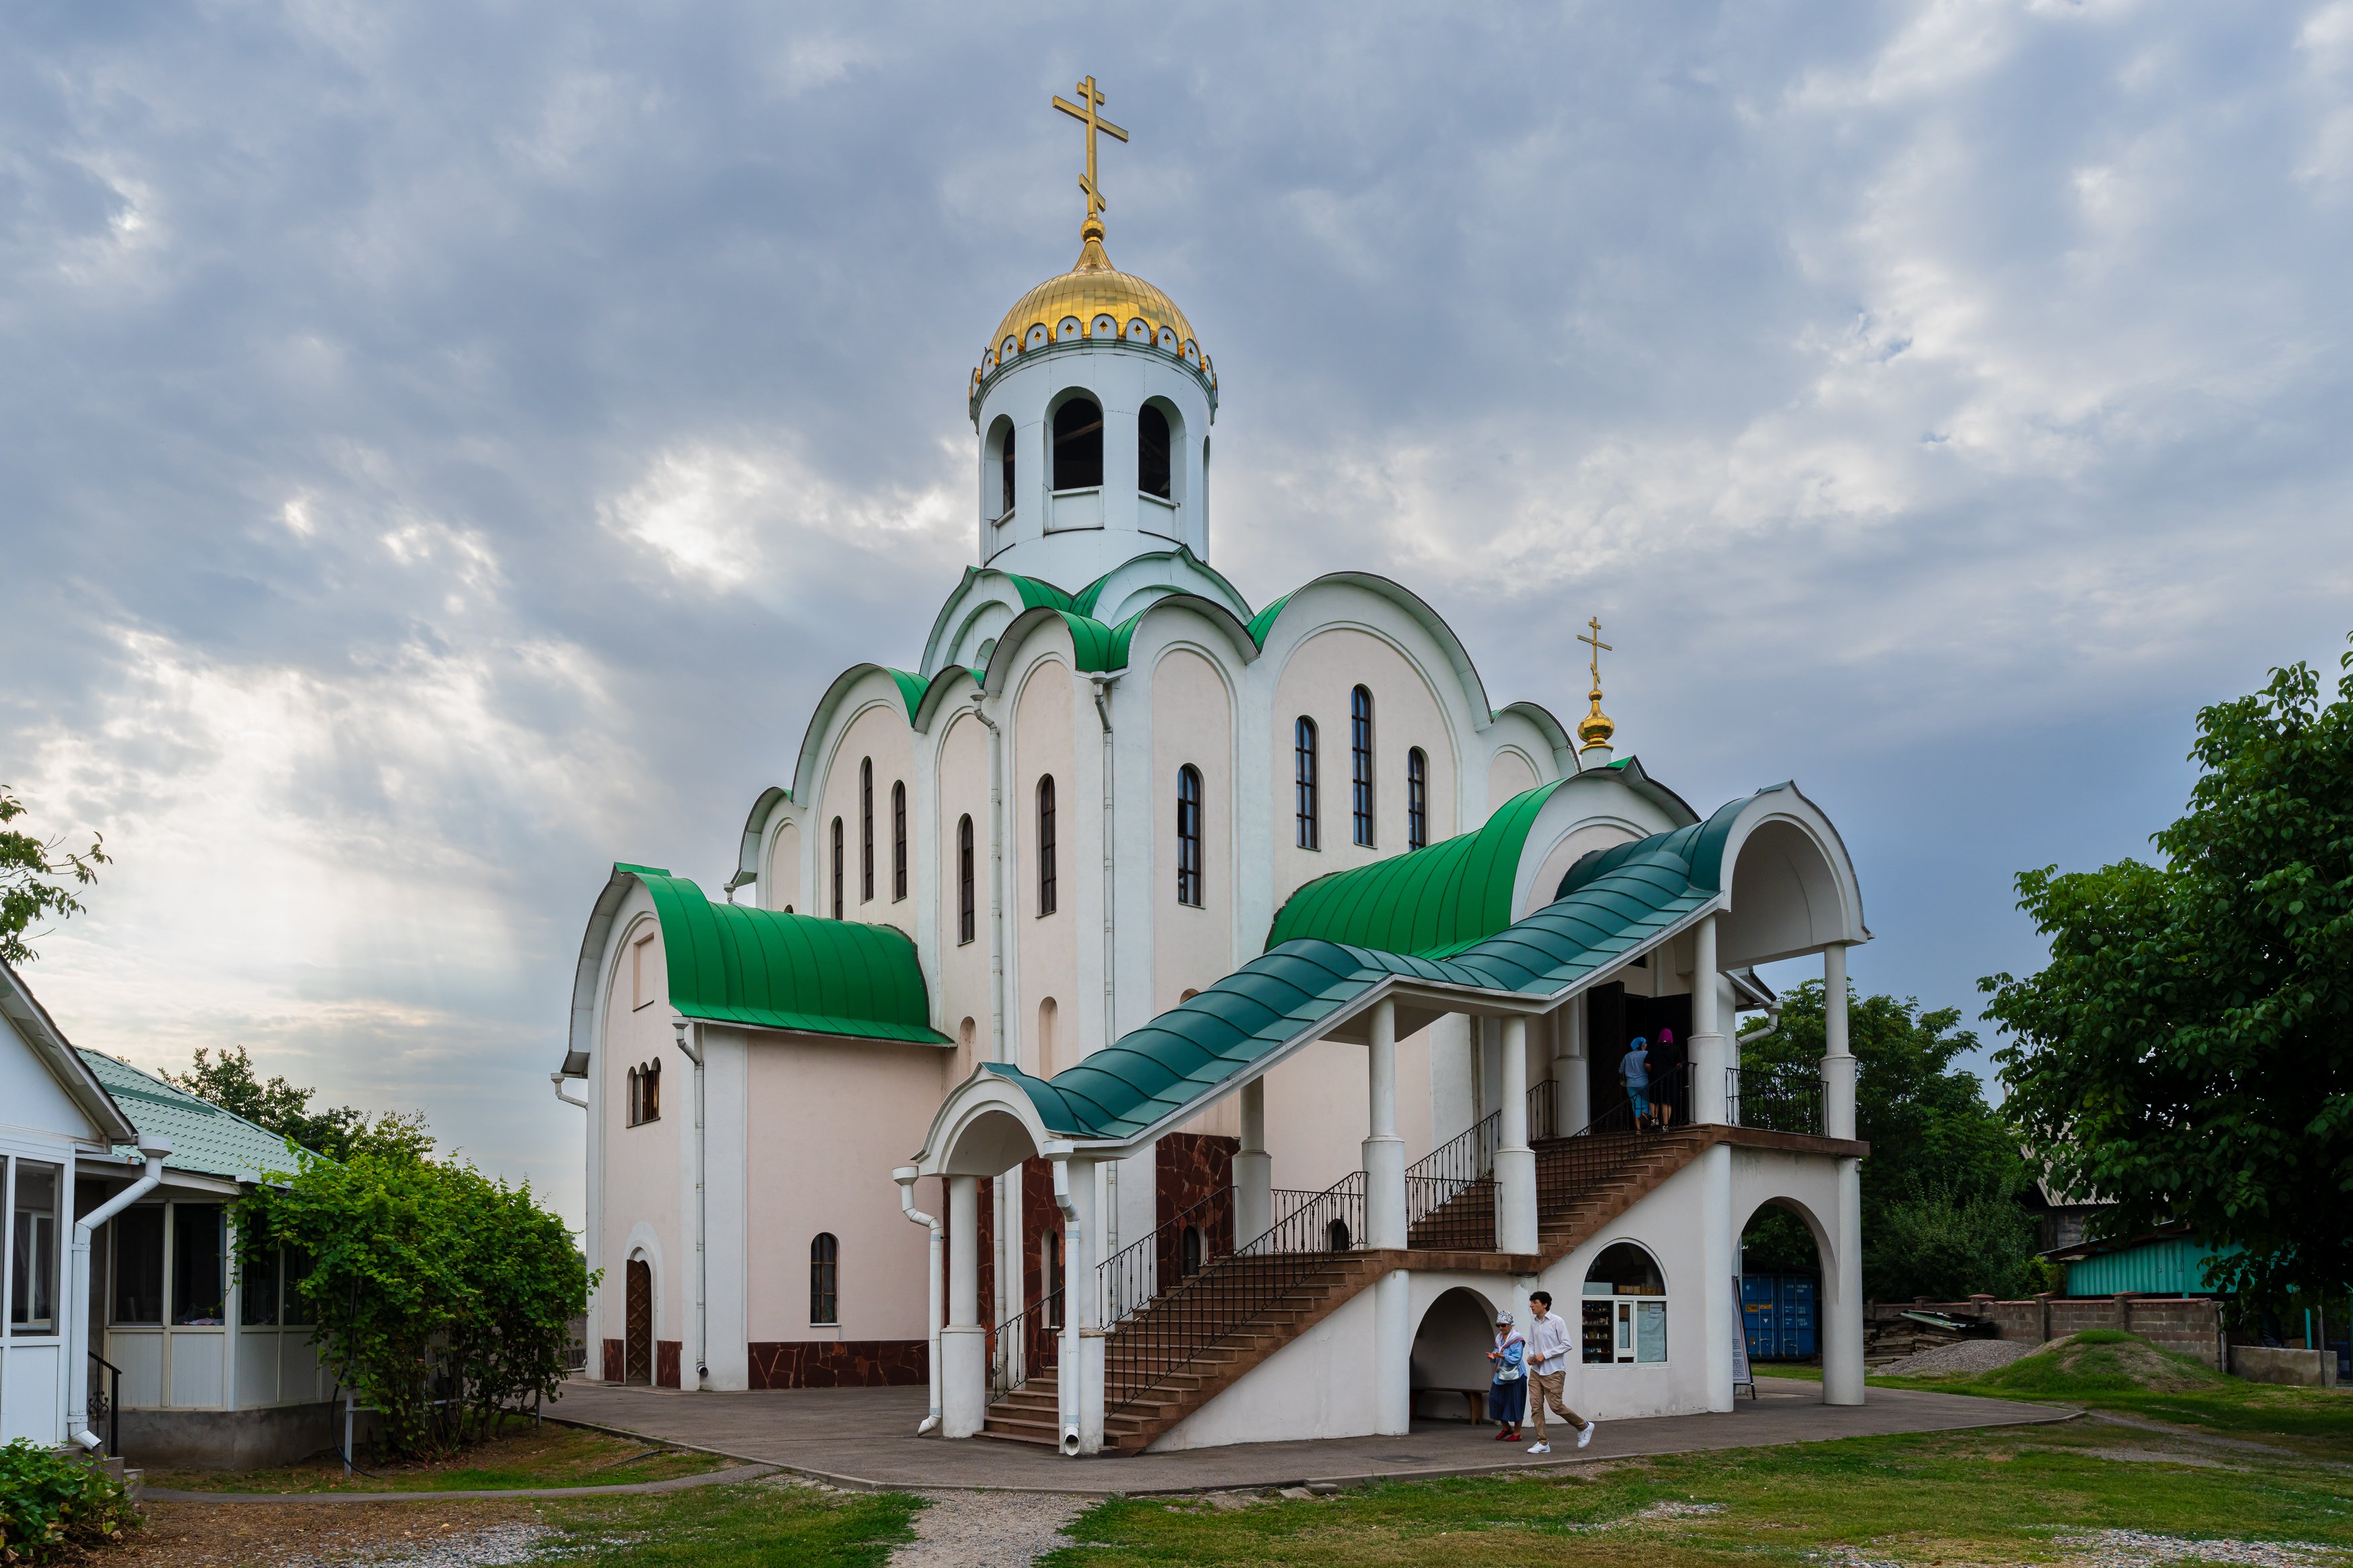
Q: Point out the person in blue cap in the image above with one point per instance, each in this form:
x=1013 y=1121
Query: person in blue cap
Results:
x=1634 y=1067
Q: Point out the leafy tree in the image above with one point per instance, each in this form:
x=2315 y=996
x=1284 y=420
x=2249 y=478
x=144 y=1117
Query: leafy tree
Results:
x=2188 y=1052
x=1940 y=1216
x=336 y=1131
x=35 y=880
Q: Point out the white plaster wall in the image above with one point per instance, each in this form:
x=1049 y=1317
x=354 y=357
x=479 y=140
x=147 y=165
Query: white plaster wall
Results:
x=1045 y=946
x=1511 y=772
x=780 y=885
x=961 y=982
x=1315 y=1386
x=1192 y=723
x=640 y=1179
x=1808 y=1182
x=1319 y=1110
x=877 y=729
x=1579 y=842
x=32 y=1102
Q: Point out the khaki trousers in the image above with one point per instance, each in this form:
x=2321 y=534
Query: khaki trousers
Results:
x=1545 y=1389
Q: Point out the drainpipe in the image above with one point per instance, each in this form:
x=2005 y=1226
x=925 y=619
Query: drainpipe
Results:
x=1111 y=973
x=557 y=1080
x=906 y=1176
x=1074 y=1239
x=1772 y=1025
x=689 y=1042
x=78 y=1292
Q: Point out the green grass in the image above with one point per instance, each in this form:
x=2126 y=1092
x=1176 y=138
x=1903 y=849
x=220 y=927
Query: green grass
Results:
x=542 y=1456
x=1992 y=1497
x=765 y=1524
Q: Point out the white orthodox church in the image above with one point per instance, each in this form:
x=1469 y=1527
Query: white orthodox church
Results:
x=1154 y=1019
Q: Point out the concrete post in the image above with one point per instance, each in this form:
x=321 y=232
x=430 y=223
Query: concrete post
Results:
x=1515 y=1163
x=1572 y=1104
x=1708 y=1059
x=1253 y=1170
x=1842 y=1310
x=1383 y=1150
x=1838 y=1061
x=1720 y=1306
x=963 y=1343
x=1393 y=1354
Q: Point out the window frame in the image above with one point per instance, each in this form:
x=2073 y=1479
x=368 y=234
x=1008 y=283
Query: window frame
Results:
x=1167 y=453
x=1416 y=799
x=1049 y=870
x=825 y=1280
x=1306 y=802
x=866 y=830
x=1617 y=1318
x=838 y=870
x=33 y=1253
x=898 y=841
x=1360 y=765
x=967 y=921
x=1189 y=880
x=1057 y=441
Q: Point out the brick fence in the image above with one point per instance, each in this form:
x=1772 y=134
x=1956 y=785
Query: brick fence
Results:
x=2188 y=1325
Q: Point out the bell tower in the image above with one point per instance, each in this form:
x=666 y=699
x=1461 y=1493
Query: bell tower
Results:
x=1093 y=405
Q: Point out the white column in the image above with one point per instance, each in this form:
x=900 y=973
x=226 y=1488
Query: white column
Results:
x=963 y=1343
x=1571 y=1084
x=1719 y=1307
x=1838 y=1061
x=1383 y=1150
x=1708 y=1059
x=1841 y=1307
x=1393 y=1354
x=1253 y=1170
x=1515 y=1163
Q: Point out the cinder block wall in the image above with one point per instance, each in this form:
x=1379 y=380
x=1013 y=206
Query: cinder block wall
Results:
x=2187 y=1325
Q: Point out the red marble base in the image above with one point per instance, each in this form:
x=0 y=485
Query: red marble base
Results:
x=839 y=1364
x=666 y=1362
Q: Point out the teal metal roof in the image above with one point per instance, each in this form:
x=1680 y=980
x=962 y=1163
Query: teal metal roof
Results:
x=205 y=1140
x=2156 y=1266
x=1433 y=901
x=772 y=970
x=1263 y=622
x=1611 y=905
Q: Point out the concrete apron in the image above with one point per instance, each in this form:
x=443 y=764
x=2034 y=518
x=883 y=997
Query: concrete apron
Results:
x=864 y=1440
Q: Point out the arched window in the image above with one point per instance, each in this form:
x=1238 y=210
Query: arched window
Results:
x=1336 y=1236
x=1625 y=1306
x=963 y=881
x=645 y=1094
x=1078 y=444
x=866 y=830
x=1188 y=835
x=825 y=1278
x=1416 y=799
x=1003 y=441
x=1303 y=774
x=1046 y=879
x=898 y=839
x=836 y=867
x=1152 y=452
x=1360 y=764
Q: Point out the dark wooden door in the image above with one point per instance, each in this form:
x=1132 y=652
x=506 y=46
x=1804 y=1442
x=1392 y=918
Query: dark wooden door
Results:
x=637 y=1350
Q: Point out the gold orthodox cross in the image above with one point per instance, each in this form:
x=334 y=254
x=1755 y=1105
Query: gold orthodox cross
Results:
x=1092 y=98
x=1599 y=647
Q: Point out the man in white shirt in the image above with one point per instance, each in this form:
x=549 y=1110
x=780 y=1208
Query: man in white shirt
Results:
x=1547 y=1368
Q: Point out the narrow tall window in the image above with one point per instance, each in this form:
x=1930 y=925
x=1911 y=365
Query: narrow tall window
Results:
x=1360 y=764
x=1188 y=835
x=825 y=1278
x=1152 y=452
x=866 y=830
x=1416 y=799
x=1046 y=879
x=1078 y=446
x=898 y=839
x=963 y=881
x=836 y=867
x=1004 y=474
x=1303 y=775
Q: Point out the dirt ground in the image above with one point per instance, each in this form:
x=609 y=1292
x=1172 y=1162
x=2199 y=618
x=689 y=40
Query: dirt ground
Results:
x=297 y=1535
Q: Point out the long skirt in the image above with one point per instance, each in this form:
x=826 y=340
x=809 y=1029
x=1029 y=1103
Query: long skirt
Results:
x=1508 y=1400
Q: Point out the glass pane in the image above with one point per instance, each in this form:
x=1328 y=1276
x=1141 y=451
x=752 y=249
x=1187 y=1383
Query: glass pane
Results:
x=296 y=1268
x=197 y=1277
x=1596 y=1334
x=33 y=1242
x=1625 y=1328
x=256 y=1287
x=1650 y=1331
x=138 y=1264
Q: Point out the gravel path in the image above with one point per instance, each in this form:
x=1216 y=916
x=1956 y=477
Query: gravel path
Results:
x=1967 y=1356
x=989 y=1529
x=2140 y=1548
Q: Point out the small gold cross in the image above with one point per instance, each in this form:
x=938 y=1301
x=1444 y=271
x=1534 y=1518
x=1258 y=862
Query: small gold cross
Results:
x=1092 y=98
x=1599 y=647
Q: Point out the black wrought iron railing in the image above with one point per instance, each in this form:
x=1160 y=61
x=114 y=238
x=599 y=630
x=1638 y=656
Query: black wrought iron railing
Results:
x=106 y=1401
x=1164 y=1335
x=1026 y=1343
x=1541 y=1120
x=1191 y=1240
x=1780 y=1099
x=1570 y=1168
x=1449 y=1193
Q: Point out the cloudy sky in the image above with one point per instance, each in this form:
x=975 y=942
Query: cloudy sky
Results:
x=446 y=449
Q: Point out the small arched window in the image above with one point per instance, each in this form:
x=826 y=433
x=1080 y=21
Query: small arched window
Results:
x=866 y=830
x=1188 y=835
x=1048 y=1016
x=1189 y=1259
x=1003 y=441
x=1360 y=764
x=1152 y=475
x=1302 y=777
x=1416 y=799
x=1078 y=444
x=825 y=1278
x=645 y=1094
x=1625 y=1306
x=898 y=839
x=838 y=868
x=1047 y=883
x=964 y=920
x=1336 y=1236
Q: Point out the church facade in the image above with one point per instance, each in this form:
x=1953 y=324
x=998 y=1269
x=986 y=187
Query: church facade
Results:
x=1150 y=1018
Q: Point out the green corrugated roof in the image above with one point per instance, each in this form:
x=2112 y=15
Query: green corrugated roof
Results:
x=1431 y=903
x=1263 y=622
x=1612 y=904
x=772 y=970
x=205 y=1140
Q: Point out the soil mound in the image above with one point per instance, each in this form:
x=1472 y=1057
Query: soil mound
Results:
x=2101 y=1361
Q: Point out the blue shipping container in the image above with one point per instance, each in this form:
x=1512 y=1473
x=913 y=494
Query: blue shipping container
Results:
x=1778 y=1311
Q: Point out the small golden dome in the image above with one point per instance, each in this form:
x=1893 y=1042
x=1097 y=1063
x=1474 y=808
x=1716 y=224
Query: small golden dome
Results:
x=1596 y=728
x=1092 y=294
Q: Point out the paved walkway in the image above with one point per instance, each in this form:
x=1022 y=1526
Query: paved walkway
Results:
x=865 y=1437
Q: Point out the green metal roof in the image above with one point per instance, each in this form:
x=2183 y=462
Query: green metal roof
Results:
x=205 y=1140
x=732 y=965
x=1263 y=622
x=1611 y=905
x=1432 y=901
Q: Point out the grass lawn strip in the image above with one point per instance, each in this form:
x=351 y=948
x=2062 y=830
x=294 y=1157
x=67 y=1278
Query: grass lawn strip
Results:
x=542 y=1456
x=761 y=1524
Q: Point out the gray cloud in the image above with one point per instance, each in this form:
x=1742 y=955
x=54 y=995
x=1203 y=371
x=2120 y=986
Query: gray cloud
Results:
x=447 y=449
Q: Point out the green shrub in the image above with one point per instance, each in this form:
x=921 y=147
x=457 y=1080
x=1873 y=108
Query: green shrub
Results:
x=50 y=1502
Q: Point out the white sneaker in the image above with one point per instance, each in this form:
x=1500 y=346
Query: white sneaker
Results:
x=1584 y=1433
x=1540 y=1447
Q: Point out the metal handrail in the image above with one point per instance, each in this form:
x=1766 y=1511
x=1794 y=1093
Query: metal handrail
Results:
x=108 y=1402
x=1540 y=1111
x=1450 y=1198
x=1030 y=1339
x=1132 y=1277
x=1779 y=1099
x=1569 y=1167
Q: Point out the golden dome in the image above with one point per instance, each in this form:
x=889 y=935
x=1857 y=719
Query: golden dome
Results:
x=1596 y=728
x=1100 y=301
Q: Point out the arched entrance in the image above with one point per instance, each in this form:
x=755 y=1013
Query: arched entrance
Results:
x=1782 y=1264
x=1451 y=1371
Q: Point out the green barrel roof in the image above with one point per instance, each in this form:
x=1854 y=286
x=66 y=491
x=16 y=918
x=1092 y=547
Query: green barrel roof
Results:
x=1612 y=904
x=771 y=970
x=1431 y=903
